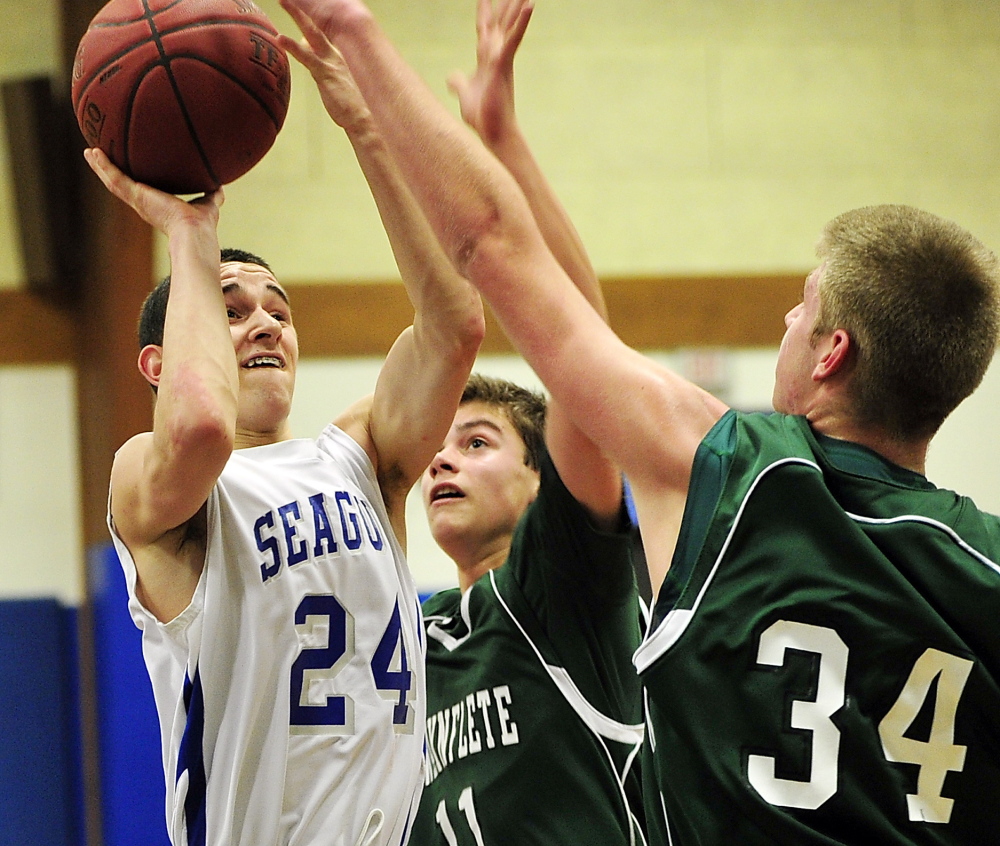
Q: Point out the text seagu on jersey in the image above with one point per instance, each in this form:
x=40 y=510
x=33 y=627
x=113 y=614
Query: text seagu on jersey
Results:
x=301 y=530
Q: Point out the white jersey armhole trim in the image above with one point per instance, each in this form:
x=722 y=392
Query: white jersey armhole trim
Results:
x=600 y=724
x=665 y=635
x=675 y=623
x=948 y=530
x=448 y=641
x=596 y=721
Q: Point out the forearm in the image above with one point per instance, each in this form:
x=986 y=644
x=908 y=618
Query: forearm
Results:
x=454 y=179
x=447 y=310
x=199 y=382
x=561 y=236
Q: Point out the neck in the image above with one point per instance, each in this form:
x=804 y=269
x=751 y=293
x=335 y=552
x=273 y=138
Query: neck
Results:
x=910 y=454
x=247 y=438
x=469 y=573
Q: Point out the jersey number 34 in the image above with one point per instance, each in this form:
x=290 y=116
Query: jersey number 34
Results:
x=936 y=756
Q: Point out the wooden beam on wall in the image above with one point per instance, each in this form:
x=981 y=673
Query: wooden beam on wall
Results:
x=45 y=333
x=359 y=319
x=42 y=133
x=112 y=276
x=708 y=311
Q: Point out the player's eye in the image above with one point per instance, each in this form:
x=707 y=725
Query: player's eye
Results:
x=477 y=442
x=232 y=314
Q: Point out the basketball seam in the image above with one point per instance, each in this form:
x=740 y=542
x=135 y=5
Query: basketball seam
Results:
x=180 y=102
x=86 y=81
x=189 y=101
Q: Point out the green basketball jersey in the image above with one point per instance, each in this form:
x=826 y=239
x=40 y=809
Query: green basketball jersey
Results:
x=534 y=707
x=823 y=664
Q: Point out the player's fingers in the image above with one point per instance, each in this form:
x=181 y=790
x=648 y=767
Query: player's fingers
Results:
x=96 y=159
x=484 y=16
x=507 y=10
x=111 y=175
x=213 y=198
x=515 y=29
x=313 y=35
x=296 y=48
x=154 y=206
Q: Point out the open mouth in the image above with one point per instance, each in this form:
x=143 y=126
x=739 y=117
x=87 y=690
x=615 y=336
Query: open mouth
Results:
x=264 y=361
x=446 y=492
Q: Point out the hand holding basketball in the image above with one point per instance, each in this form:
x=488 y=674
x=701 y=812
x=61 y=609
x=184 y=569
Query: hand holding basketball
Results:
x=159 y=209
x=184 y=95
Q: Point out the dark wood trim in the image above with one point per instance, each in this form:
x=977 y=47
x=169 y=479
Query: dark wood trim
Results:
x=648 y=313
x=355 y=319
x=43 y=144
x=37 y=331
x=108 y=278
x=707 y=311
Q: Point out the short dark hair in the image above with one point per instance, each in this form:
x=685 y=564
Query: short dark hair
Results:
x=154 y=309
x=524 y=409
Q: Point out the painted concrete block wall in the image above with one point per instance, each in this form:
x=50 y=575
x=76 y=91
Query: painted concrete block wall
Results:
x=698 y=136
x=40 y=530
x=684 y=136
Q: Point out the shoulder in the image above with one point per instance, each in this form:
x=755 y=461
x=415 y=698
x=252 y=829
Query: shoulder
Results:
x=355 y=423
x=442 y=603
x=764 y=435
x=133 y=450
x=126 y=473
x=558 y=512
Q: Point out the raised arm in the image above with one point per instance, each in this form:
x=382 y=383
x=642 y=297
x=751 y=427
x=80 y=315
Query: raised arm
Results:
x=486 y=100
x=645 y=417
x=161 y=479
x=424 y=374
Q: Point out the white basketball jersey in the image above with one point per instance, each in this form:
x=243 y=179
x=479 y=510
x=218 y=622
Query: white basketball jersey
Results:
x=291 y=691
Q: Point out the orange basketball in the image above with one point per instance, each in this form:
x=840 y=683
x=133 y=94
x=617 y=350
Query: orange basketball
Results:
x=184 y=95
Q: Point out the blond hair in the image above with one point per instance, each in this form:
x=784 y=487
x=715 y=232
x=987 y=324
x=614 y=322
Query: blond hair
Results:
x=918 y=296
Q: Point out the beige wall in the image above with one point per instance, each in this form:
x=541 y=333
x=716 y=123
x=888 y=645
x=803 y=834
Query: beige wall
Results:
x=684 y=136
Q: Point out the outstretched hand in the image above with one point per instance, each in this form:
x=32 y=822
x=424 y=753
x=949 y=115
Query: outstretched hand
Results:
x=159 y=209
x=486 y=98
x=337 y=89
x=328 y=16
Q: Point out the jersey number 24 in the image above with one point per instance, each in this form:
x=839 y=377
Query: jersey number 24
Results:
x=326 y=633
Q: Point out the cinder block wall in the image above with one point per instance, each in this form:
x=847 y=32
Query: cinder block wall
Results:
x=685 y=136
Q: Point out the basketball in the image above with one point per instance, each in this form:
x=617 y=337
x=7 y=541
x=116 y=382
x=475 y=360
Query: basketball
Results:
x=184 y=95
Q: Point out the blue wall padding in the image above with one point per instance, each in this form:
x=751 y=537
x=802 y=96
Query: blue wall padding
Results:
x=40 y=773
x=132 y=791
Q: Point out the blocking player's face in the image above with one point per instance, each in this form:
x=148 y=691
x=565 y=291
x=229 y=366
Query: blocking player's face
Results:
x=478 y=485
x=267 y=349
x=798 y=355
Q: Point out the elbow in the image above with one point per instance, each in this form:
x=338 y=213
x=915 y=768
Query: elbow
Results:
x=461 y=342
x=484 y=227
x=472 y=331
x=215 y=432
x=202 y=420
x=205 y=440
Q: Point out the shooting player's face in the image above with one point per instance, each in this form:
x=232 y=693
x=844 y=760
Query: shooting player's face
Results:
x=267 y=351
x=478 y=485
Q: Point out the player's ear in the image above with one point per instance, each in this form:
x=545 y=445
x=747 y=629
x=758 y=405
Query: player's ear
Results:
x=150 y=363
x=836 y=355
